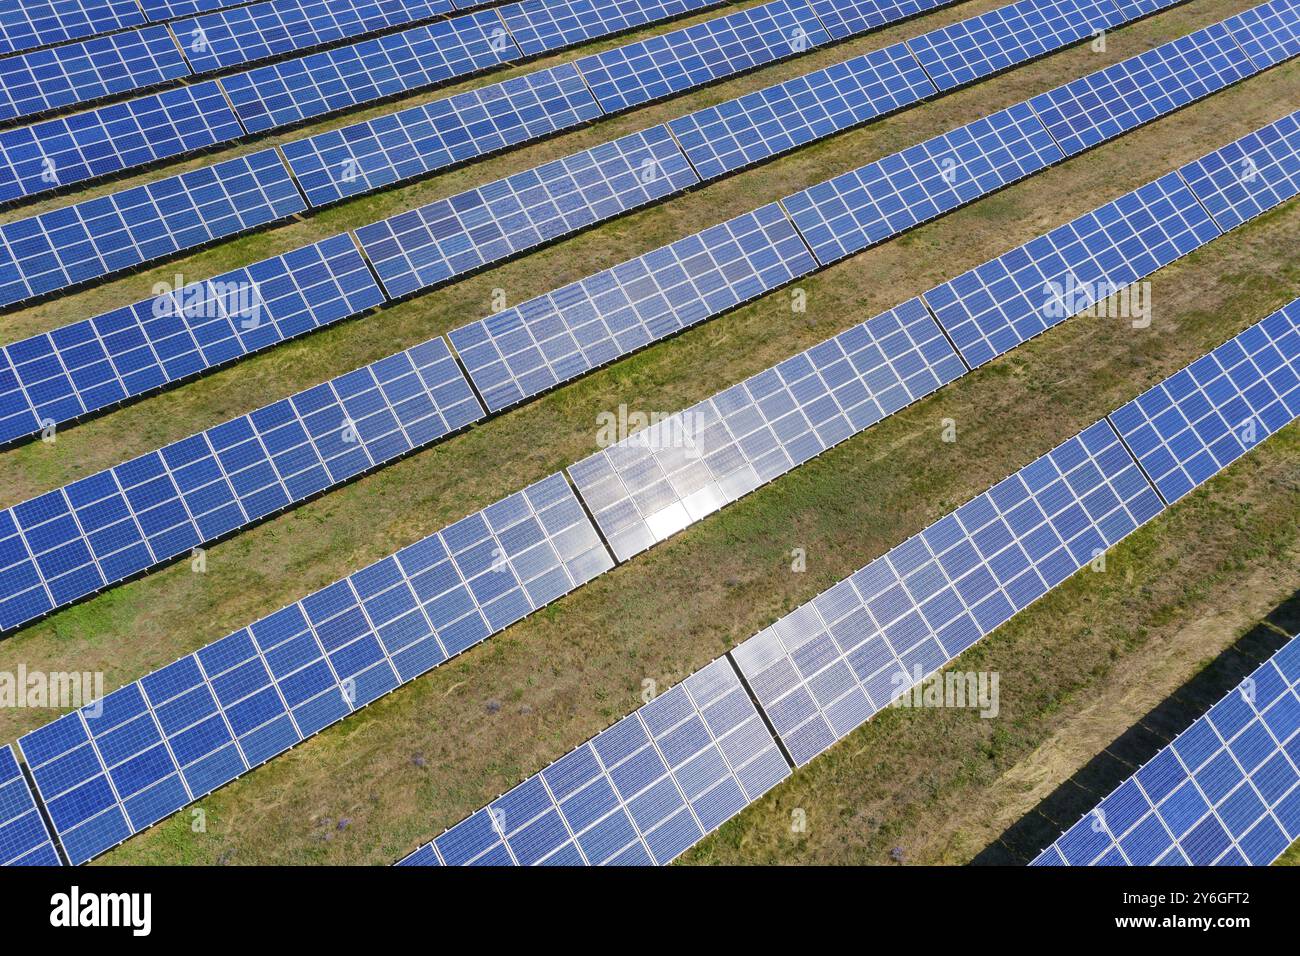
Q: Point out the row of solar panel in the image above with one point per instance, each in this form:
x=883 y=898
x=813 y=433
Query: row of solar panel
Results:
x=1223 y=792
x=827 y=667
x=455 y=588
x=711 y=272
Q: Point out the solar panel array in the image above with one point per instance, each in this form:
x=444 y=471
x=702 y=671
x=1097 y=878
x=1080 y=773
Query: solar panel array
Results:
x=452 y=236
x=24 y=838
x=868 y=205
x=540 y=26
x=1248 y=176
x=525 y=350
x=101 y=529
x=95 y=238
x=1198 y=421
x=846 y=18
x=95 y=363
x=112 y=769
x=38 y=23
x=639 y=793
x=158 y=10
x=71 y=149
x=1269 y=33
x=657 y=481
x=44 y=80
x=1223 y=793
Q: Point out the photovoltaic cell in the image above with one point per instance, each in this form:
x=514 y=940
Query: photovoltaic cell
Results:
x=847 y=214
x=75 y=540
x=280 y=94
x=136 y=132
x=1195 y=423
x=662 y=65
x=846 y=18
x=539 y=26
x=43 y=80
x=527 y=349
x=1104 y=104
x=996 y=306
x=365 y=156
x=1250 y=175
x=98 y=237
x=263 y=30
x=92 y=364
x=980 y=46
x=828 y=666
x=1224 y=792
x=1270 y=32
x=38 y=23
x=1132 y=9
x=146 y=750
x=639 y=793
x=452 y=236
x=657 y=481
x=24 y=838
x=159 y=10
x=753 y=127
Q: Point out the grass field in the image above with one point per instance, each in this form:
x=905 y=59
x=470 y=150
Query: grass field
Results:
x=1077 y=670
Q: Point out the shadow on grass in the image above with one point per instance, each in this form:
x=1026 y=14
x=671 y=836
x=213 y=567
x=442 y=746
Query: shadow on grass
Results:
x=1036 y=830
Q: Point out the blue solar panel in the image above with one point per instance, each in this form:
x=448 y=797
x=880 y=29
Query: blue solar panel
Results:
x=847 y=214
x=846 y=18
x=24 y=838
x=72 y=149
x=753 y=127
x=452 y=236
x=98 y=237
x=979 y=46
x=115 y=767
x=1250 y=175
x=1224 y=792
x=1104 y=104
x=540 y=26
x=639 y=793
x=356 y=159
x=662 y=65
x=263 y=30
x=828 y=666
x=46 y=80
x=158 y=10
x=309 y=86
x=657 y=481
x=102 y=529
x=37 y=23
x=1198 y=421
x=1270 y=32
x=996 y=306
x=557 y=336
x=92 y=364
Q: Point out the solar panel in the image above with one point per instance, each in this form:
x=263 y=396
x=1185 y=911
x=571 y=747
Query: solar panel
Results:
x=284 y=93
x=657 y=481
x=980 y=46
x=45 y=80
x=640 y=792
x=860 y=208
x=38 y=23
x=1270 y=32
x=847 y=18
x=95 y=363
x=1250 y=175
x=1111 y=101
x=1222 y=793
x=828 y=666
x=1195 y=423
x=98 y=237
x=753 y=127
x=24 y=838
x=365 y=156
x=71 y=149
x=452 y=236
x=146 y=750
x=99 y=530
x=158 y=10
x=1132 y=9
x=661 y=65
x=527 y=349
x=539 y=26
x=994 y=307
